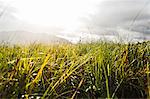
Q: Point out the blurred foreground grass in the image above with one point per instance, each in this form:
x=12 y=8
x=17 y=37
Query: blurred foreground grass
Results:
x=94 y=70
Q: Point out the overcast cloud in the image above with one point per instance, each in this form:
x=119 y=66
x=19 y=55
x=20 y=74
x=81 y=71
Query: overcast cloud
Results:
x=121 y=13
x=112 y=17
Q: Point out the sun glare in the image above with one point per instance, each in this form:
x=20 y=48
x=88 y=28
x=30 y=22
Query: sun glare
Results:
x=58 y=13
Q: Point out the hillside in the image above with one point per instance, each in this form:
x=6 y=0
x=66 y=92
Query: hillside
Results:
x=21 y=37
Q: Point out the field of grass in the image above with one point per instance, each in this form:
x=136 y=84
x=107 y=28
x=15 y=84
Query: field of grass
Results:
x=90 y=71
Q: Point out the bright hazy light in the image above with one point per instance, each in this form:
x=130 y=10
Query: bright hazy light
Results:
x=58 y=13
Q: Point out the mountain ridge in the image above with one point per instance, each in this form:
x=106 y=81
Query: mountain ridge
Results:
x=23 y=37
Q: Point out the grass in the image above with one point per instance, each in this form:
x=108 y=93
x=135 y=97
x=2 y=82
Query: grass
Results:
x=93 y=70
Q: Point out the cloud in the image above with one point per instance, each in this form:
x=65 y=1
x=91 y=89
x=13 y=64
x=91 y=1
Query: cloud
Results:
x=109 y=18
x=133 y=15
x=7 y=16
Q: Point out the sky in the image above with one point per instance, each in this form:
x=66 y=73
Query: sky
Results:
x=76 y=19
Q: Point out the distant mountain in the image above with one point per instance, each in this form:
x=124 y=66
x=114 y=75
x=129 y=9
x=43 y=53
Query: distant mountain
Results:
x=24 y=37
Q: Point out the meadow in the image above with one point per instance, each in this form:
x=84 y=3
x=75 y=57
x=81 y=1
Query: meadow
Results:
x=76 y=71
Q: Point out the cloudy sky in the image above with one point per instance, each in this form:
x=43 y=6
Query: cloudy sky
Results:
x=76 y=19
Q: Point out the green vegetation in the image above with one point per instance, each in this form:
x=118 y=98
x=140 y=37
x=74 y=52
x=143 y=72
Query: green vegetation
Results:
x=94 y=70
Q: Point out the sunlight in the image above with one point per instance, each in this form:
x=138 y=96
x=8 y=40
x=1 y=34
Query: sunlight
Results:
x=57 y=13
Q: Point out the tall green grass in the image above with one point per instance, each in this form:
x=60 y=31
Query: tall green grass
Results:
x=93 y=70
